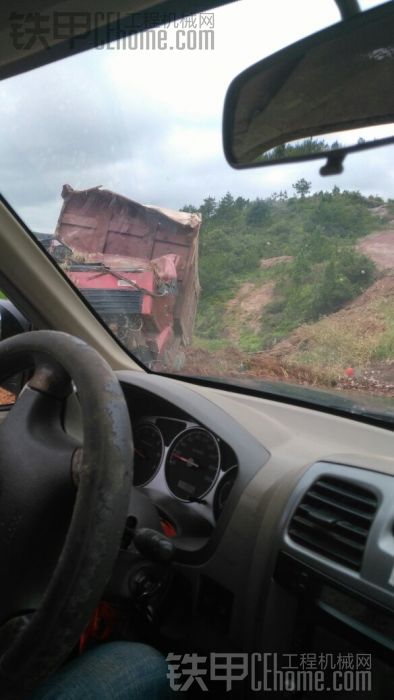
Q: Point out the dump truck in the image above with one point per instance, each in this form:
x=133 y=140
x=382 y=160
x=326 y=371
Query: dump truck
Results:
x=136 y=265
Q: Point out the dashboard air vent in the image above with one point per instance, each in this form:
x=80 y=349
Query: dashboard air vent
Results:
x=334 y=519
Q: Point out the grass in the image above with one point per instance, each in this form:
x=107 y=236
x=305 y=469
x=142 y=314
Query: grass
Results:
x=249 y=342
x=209 y=344
x=385 y=347
x=351 y=338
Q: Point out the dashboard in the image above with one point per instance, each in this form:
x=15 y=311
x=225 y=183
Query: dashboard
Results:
x=278 y=514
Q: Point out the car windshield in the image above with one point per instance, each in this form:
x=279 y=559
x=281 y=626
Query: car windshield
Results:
x=275 y=279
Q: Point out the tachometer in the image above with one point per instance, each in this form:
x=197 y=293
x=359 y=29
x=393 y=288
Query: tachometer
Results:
x=193 y=464
x=148 y=452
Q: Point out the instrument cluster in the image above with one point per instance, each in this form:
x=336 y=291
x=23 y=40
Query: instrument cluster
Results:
x=184 y=460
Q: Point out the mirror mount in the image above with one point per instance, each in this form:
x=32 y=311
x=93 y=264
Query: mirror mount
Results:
x=348 y=8
x=333 y=165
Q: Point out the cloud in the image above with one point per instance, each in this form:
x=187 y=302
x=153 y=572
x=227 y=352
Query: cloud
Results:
x=147 y=124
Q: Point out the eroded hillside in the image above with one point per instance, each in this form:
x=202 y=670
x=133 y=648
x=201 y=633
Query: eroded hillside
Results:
x=308 y=297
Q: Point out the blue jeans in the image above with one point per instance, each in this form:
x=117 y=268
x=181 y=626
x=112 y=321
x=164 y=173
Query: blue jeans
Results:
x=113 y=671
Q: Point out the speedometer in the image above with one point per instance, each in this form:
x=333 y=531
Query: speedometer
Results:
x=193 y=464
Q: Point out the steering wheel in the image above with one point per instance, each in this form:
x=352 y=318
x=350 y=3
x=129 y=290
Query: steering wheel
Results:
x=63 y=506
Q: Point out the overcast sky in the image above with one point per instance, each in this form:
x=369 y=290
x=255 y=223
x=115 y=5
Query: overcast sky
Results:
x=147 y=123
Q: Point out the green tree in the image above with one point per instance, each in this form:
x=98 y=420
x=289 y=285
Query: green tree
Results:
x=241 y=202
x=258 y=212
x=302 y=187
x=226 y=204
x=208 y=207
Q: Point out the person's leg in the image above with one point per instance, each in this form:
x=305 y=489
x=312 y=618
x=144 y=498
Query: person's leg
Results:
x=113 y=671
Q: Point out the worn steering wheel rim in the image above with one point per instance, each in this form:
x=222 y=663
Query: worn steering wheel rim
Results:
x=101 y=504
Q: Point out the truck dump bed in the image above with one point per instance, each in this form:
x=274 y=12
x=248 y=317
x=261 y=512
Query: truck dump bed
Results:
x=137 y=260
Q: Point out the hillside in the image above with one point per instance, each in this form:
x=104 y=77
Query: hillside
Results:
x=360 y=337
x=299 y=288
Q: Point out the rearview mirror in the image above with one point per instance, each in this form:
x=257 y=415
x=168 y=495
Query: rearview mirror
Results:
x=322 y=97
